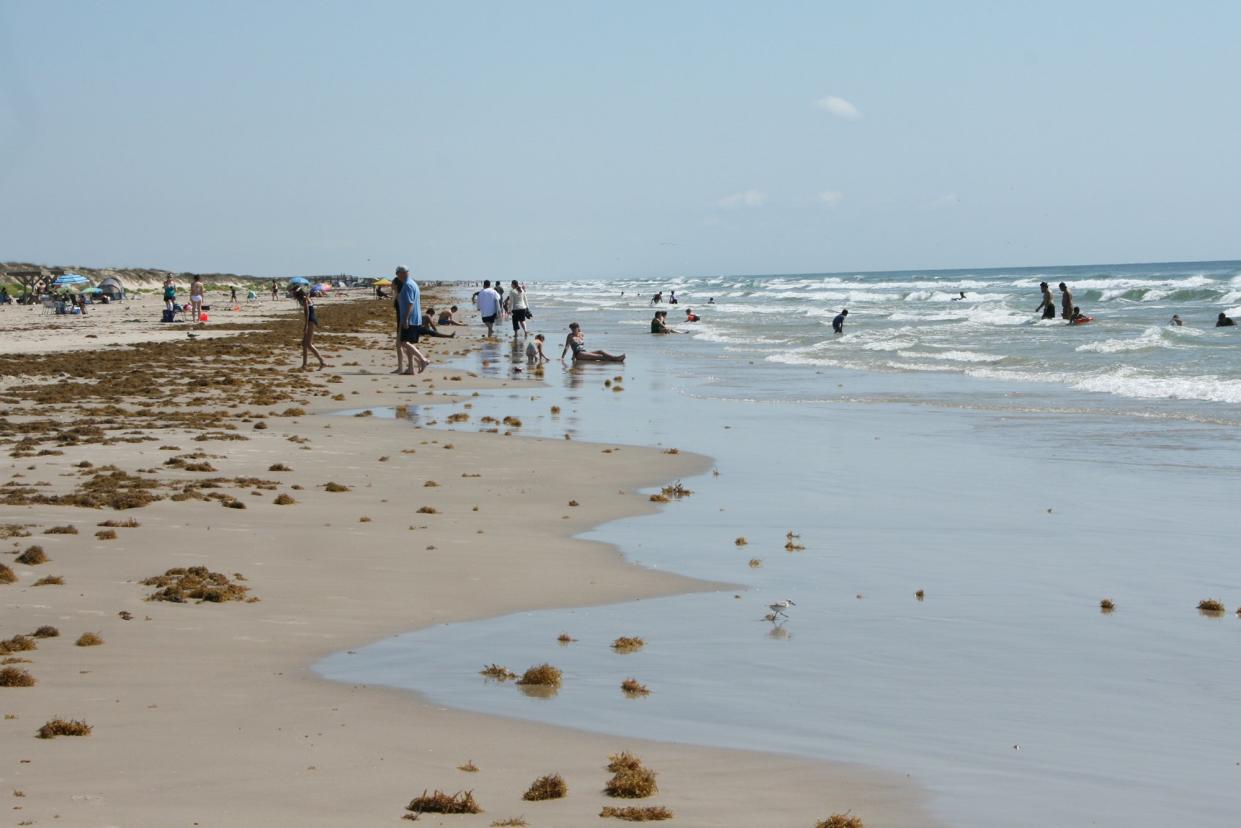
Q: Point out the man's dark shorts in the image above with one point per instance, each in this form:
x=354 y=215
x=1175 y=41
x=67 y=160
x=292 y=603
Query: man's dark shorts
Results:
x=489 y=320
x=410 y=334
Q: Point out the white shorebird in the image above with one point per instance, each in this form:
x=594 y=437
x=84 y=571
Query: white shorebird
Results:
x=779 y=607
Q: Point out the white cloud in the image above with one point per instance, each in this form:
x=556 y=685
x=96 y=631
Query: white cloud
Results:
x=748 y=198
x=944 y=201
x=831 y=197
x=839 y=107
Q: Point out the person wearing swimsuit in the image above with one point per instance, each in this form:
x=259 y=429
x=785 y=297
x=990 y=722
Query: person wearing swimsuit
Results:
x=310 y=321
x=576 y=341
x=1048 y=305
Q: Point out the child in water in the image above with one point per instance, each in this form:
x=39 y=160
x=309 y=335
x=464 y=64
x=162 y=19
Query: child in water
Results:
x=534 y=351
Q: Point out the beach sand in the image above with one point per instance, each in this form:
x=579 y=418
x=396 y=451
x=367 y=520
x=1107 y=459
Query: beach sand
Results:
x=209 y=714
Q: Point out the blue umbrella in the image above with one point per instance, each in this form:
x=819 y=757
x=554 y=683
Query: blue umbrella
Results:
x=298 y=280
x=69 y=279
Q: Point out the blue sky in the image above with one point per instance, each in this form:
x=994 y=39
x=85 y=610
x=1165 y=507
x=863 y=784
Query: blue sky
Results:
x=592 y=139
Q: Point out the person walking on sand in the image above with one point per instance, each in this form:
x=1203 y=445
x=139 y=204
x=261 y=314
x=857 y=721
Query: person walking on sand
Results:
x=488 y=305
x=1066 y=302
x=410 y=307
x=275 y=290
x=232 y=294
x=518 y=308
x=398 y=282
x=838 y=324
x=310 y=321
x=1048 y=306
x=196 y=299
x=576 y=340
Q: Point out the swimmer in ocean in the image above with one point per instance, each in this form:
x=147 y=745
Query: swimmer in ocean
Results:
x=1223 y=321
x=838 y=324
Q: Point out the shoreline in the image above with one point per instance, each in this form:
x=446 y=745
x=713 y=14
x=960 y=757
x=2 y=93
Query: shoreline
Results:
x=269 y=731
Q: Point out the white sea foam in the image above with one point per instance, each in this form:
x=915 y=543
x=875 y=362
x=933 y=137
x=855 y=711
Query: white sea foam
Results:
x=889 y=345
x=1152 y=337
x=952 y=356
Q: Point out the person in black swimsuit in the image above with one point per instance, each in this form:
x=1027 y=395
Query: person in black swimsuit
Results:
x=577 y=341
x=310 y=321
x=1048 y=305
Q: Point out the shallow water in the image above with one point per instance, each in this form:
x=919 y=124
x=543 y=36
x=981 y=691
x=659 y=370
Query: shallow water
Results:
x=1005 y=692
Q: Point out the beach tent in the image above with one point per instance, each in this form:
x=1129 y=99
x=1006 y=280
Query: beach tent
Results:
x=111 y=287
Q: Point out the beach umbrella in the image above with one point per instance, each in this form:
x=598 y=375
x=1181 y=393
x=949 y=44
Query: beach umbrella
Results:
x=323 y=287
x=69 y=279
x=299 y=280
x=383 y=282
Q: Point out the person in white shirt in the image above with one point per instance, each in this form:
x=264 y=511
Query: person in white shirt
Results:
x=488 y=305
x=518 y=309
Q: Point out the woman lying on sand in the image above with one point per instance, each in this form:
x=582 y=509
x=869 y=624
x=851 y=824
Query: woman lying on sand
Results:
x=577 y=341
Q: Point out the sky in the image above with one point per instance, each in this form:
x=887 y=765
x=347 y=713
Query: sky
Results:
x=550 y=140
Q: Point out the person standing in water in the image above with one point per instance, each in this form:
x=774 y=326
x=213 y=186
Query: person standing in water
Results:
x=518 y=308
x=1224 y=321
x=1066 y=302
x=838 y=324
x=1176 y=320
x=1048 y=305
x=488 y=305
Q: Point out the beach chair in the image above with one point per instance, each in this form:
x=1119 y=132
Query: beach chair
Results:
x=49 y=305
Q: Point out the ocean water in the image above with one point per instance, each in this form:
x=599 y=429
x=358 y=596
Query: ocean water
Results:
x=1016 y=493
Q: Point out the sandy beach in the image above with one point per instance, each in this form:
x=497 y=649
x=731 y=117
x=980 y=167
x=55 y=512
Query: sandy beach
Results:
x=207 y=713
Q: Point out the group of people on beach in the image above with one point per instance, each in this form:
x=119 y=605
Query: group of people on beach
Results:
x=1069 y=312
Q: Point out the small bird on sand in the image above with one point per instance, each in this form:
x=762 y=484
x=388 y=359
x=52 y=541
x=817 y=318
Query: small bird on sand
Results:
x=779 y=607
x=191 y=335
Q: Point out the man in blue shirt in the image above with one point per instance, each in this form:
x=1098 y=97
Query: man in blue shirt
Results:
x=838 y=324
x=409 y=312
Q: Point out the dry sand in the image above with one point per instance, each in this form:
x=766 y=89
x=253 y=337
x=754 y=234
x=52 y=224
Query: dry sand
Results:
x=208 y=714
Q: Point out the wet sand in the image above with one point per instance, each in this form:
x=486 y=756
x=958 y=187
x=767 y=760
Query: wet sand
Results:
x=209 y=714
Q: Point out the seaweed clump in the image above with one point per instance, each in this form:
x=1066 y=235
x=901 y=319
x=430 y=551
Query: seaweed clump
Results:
x=15 y=677
x=6 y=575
x=32 y=556
x=462 y=802
x=651 y=813
x=541 y=675
x=676 y=490
x=633 y=688
x=551 y=786
x=1207 y=606
x=630 y=778
x=89 y=639
x=495 y=671
x=69 y=529
x=844 y=820
x=197 y=583
x=62 y=727
x=628 y=644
